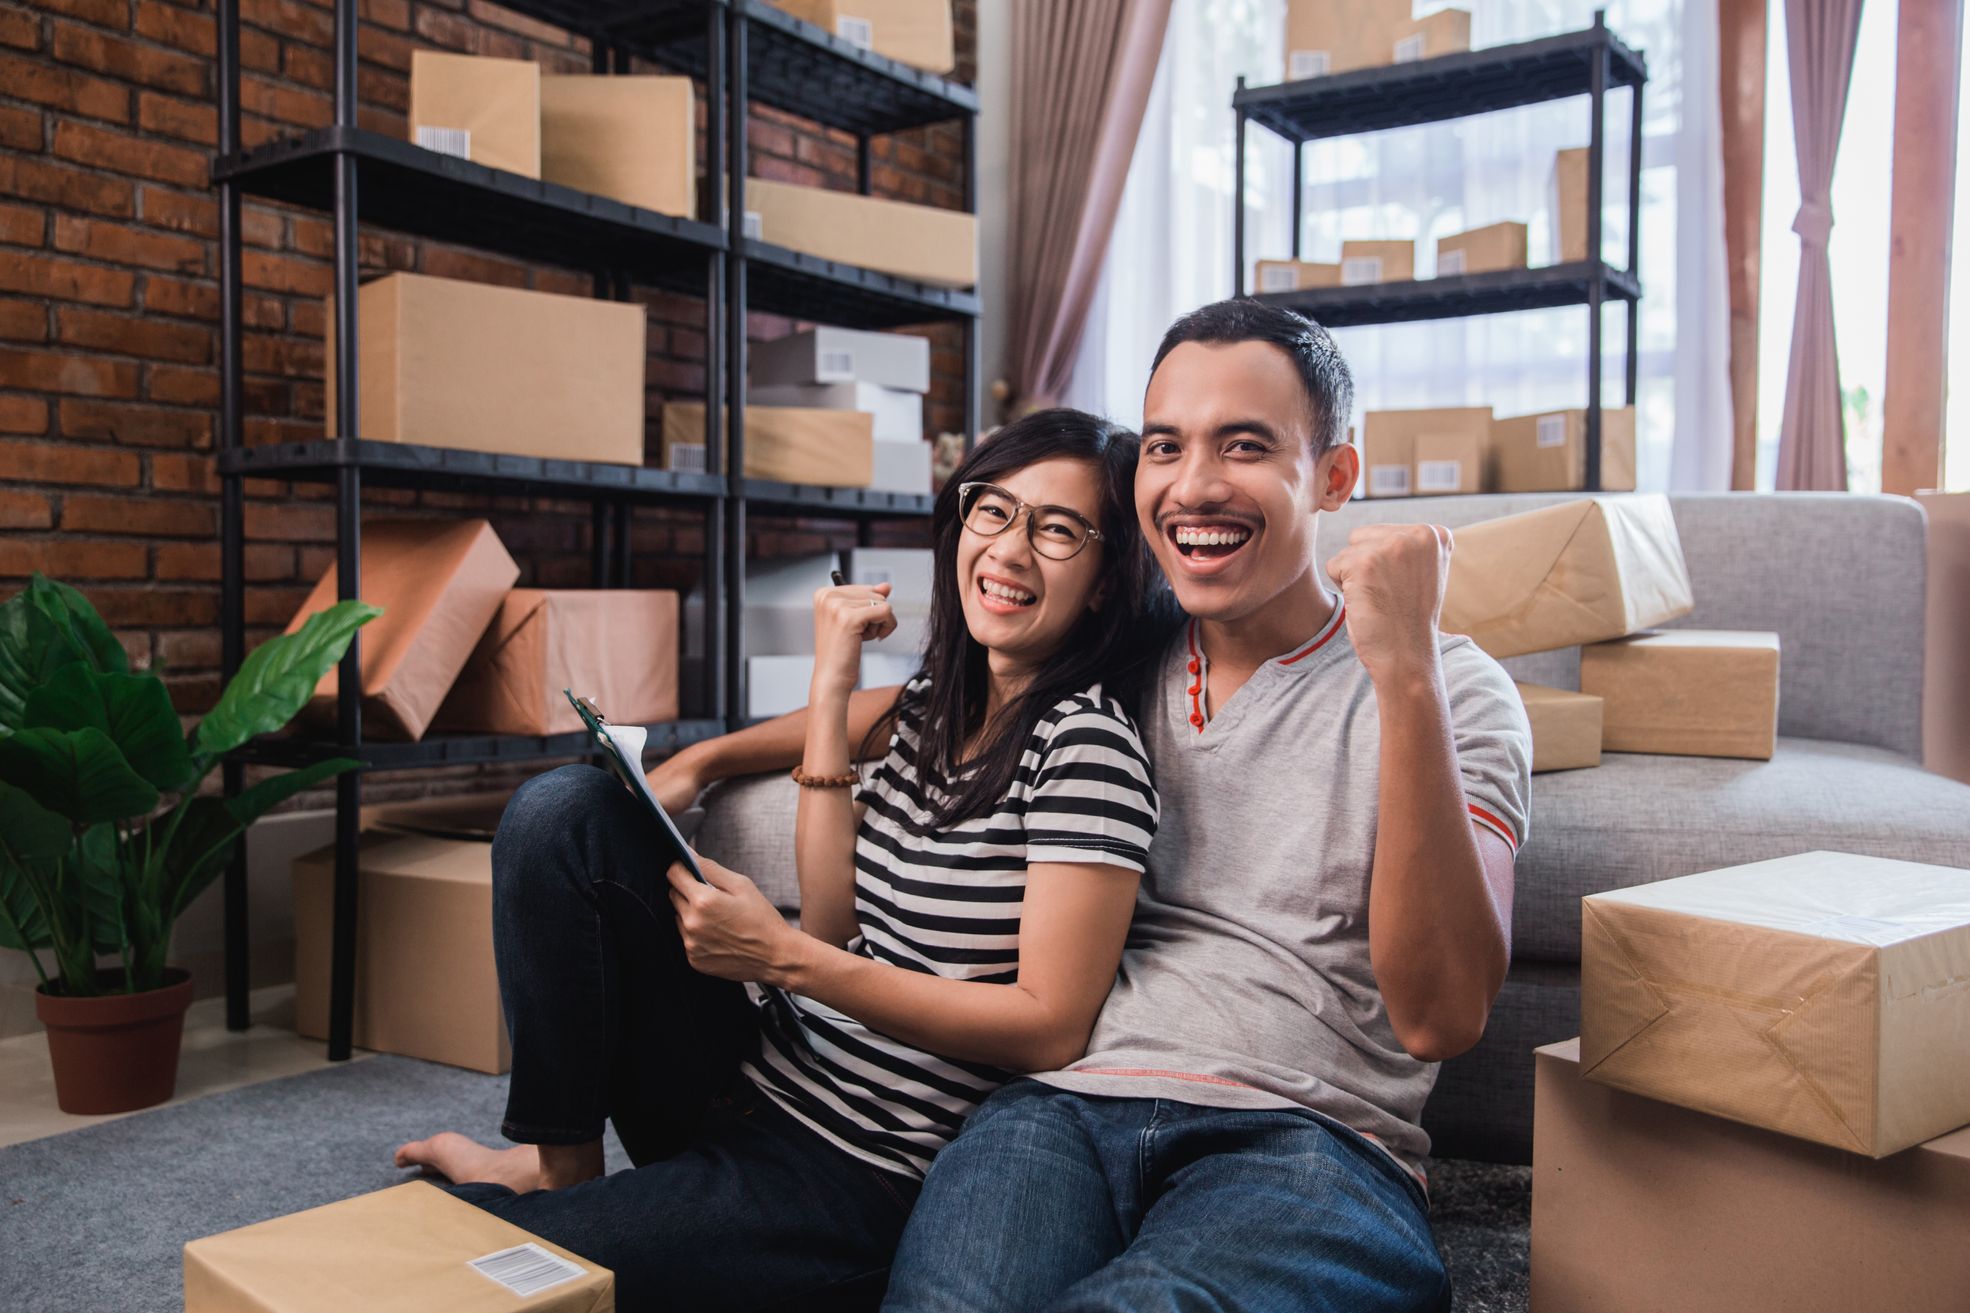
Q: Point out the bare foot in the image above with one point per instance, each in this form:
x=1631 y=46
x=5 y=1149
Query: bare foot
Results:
x=461 y=1160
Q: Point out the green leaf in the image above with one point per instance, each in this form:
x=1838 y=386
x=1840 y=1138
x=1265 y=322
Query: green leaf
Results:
x=44 y=627
x=32 y=840
x=78 y=773
x=203 y=842
x=100 y=887
x=250 y=804
x=133 y=710
x=278 y=677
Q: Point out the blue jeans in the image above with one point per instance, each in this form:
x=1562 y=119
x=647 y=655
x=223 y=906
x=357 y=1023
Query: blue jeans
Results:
x=732 y=1203
x=1058 y=1201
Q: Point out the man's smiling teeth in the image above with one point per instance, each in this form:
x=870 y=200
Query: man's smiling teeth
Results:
x=1005 y=592
x=1194 y=536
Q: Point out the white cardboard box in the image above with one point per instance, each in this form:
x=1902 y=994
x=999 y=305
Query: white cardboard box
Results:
x=901 y=467
x=898 y=414
x=843 y=355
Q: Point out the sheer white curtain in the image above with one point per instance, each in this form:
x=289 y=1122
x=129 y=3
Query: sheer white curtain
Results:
x=1172 y=245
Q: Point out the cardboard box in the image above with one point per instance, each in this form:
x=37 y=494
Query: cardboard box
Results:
x=1822 y=995
x=909 y=573
x=1483 y=250
x=920 y=242
x=898 y=414
x=483 y=110
x=1644 y=1207
x=1578 y=572
x=633 y=139
x=411 y=1247
x=1338 y=36
x=1569 y=198
x=827 y=448
x=1566 y=727
x=843 y=355
x=1377 y=262
x=1687 y=692
x=1547 y=452
x=916 y=32
x=1946 y=664
x=902 y=467
x=454 y=816
x=1393 y=441
x=1293 y=275
x=483 y=368
x=779 y=612
x=1445 y=32
x=618 y=646
x=439 y=582
x=425 y=983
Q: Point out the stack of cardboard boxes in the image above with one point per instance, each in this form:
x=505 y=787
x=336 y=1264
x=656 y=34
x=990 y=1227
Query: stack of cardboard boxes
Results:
x=1463 y=449
x=779 y=622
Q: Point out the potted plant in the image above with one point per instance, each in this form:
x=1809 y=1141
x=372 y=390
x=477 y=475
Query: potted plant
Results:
x=96 y=859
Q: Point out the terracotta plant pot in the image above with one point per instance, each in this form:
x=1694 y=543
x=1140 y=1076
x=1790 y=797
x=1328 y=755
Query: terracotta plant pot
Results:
x=115 y=1052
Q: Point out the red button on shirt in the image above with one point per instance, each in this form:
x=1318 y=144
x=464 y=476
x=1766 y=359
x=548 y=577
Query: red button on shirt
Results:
x=1197 y=719
x=1193 y=665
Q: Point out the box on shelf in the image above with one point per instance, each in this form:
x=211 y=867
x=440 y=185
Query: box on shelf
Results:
x=898 y=414
x=1293 y=275
x=1640 y=1206
x=1443 y=33
x=1394 y=441
x=1687 y=692
x=439 y=582
x=632 y=139
x=1578 y=572
x=1569 y=197
x=823 y=448
x=1946 y=665
x=1338 y=36
x=425 y=983
x=842 y=355
x=920 y=242
x=1566 y=727
x=500 y=369
x=1820 y=995
x=1485 y=250
x=916 y=32
x=779 y=612
x=1377 y=262
x=617 y=646
x=1547 y=452
x=1448 y=463
x=908 y=572
x=902 y=467
x=479 y=109
x=412 y=1247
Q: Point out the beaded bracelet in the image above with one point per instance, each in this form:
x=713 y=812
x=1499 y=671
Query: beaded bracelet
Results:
x=847 y=779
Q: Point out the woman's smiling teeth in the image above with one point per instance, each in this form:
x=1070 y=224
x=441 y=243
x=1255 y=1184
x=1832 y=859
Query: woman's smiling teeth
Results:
x=1212 y=539
x=1005 y=592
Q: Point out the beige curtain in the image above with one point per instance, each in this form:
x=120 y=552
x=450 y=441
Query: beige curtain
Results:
x=1081 y=73
x=1812 y=445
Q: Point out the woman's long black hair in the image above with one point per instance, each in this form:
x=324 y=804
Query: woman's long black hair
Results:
x=1114 y=646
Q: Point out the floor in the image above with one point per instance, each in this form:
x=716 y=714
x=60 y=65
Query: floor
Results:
x=211 y=1060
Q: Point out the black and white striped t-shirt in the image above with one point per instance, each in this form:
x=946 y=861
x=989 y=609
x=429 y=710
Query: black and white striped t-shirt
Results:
x=948 y=901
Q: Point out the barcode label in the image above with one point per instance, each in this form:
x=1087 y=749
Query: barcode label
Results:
x=1439 y=475
x=1278 y=278
x=685 y=458
x=1449 y=263
x=753 y=225
x=1552 y=431
x=857 y=32
x=1359 y=269
x=527 y=1269
x=1388 y=480
x=1409 y=49
x=1303 y=64
x=446 y=141
x=835 y=367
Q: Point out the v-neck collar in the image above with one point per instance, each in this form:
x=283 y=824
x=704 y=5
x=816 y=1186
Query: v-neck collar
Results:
x=1197 y=670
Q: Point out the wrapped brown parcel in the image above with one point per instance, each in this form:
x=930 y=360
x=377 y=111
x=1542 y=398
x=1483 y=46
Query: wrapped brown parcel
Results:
x=1687 y=692
x=1566 y=727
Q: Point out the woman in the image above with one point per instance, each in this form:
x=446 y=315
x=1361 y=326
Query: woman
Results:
x=962 y=916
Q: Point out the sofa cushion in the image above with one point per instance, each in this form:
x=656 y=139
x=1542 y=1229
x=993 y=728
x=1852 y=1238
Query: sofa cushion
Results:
x=748 y=827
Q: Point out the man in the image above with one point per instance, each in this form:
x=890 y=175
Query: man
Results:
x=1327 y=907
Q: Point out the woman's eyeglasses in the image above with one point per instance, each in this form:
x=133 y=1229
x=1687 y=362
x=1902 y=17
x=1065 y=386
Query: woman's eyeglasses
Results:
x=1055 y=531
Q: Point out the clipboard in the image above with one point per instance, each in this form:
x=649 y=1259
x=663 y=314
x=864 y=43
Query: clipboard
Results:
x=622 y=747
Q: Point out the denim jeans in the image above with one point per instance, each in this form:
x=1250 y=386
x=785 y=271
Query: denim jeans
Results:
x=732 y=1203
x=1056 y=1201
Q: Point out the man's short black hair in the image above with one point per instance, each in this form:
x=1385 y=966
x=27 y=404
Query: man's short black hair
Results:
x=1323 y=373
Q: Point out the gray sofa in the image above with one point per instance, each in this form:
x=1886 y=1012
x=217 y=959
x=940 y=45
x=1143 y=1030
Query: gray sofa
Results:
x=1839 y=578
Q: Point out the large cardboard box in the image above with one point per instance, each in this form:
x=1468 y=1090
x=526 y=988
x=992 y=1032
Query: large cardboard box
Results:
x=483 y=368
x=1445 y=32
x=1579 y=572
x=1822 y=996
x=1566 y=727
x=439 y=582
x=898 y=414
x=410 y=1249
x=425 y=983
x=1946 y=666
x=1338 y=36
x=843 y=355
x=1547 y=452
x=921 y=242
x=915 y=32
x=483 y=110
x=1687 y=692
x=633 y=139
x=1451 y=438
x=1644 y=1207
x=1377 y=262
x=829 y=448
x=1483 y=250
x=1293 y=275
x=618 y=646
x=1569 y=198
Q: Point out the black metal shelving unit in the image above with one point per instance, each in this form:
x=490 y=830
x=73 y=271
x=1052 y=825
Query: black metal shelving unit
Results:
x=1589 y=63
x=743 y=52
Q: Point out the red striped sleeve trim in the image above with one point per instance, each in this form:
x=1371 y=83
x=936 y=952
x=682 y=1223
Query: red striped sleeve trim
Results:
x=1333 y=628
x=1486 y=819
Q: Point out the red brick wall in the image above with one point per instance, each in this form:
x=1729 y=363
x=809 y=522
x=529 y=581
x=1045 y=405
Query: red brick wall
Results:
x=109 y=302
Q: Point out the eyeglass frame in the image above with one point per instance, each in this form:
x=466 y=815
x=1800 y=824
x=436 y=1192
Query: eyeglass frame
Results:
x=1030 y=511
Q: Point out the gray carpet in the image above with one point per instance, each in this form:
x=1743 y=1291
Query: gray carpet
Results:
x=96 y=1219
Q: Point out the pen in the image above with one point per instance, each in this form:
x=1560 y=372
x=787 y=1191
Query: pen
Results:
x=836 y=576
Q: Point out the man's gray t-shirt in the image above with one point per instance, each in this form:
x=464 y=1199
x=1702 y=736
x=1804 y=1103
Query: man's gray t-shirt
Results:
x=1246 y=982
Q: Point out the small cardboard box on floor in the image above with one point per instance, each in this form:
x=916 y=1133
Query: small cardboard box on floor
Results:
x=1292 y=275
x=410 y=1249
x=1825 y=996
x=916 y=32
x=425 y=983
x=478 y=109
x=1481 y=250
x=1407 y=453
x=1643 y=1207
x=1547 y=452
x=632 y=139
x=921 y=242
x=787 y=444
x=1687 y=692
x=440 y=583
x=1566 y=727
